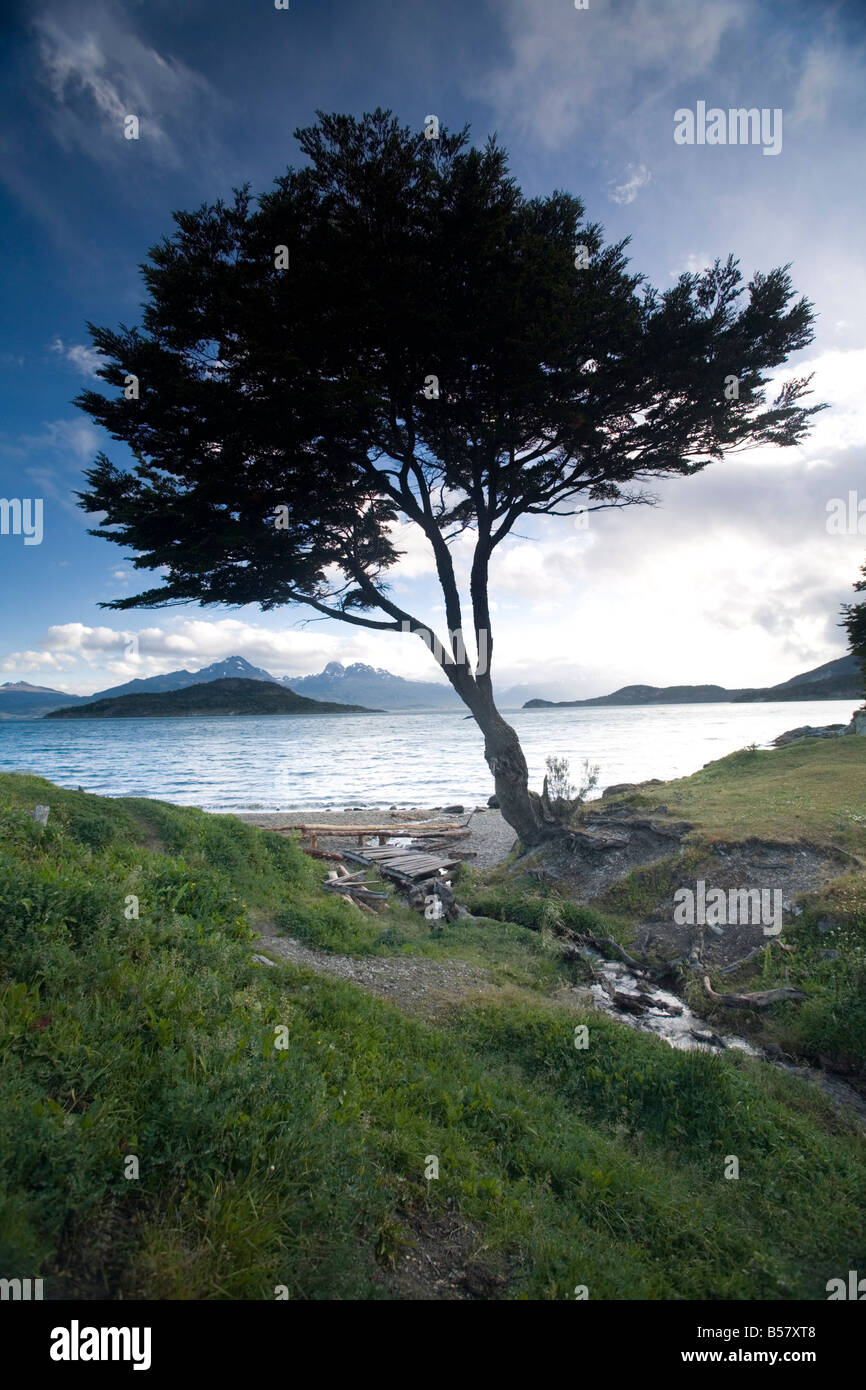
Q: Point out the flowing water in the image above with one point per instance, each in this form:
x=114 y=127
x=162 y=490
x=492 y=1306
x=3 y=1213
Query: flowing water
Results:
x=625 y=996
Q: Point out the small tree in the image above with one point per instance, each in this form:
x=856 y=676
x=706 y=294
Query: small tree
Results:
x=560 y=800
x=854 y=621
x=396 y=334
x=557 y=783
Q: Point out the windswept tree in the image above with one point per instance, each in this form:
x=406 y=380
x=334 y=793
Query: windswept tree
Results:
x=854 y=621
x=395 y=334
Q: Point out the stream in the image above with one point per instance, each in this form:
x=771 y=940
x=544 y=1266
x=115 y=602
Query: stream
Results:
x=623 y=995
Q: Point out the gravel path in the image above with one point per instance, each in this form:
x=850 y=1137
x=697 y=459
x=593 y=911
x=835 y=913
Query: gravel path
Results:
x=490 y=838
x=409 y=981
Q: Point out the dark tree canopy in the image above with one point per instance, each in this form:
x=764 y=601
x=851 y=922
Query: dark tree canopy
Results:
x=564 y=383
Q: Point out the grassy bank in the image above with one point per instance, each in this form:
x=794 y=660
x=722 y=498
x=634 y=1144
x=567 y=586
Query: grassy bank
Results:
x=153 y=1037
x=810 y=796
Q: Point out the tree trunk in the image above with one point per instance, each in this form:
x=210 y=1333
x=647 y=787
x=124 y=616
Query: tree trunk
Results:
x=520 y=807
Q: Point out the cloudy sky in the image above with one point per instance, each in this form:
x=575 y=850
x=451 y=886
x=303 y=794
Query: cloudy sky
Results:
x=733 y=578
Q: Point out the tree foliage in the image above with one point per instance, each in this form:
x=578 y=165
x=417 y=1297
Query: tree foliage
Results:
x=565 y=382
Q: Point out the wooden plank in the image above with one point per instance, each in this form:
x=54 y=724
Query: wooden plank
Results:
x=401 y=863
x=429 y=858
x=432 y=827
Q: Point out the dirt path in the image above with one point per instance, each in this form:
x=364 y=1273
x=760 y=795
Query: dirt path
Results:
x=413 y=983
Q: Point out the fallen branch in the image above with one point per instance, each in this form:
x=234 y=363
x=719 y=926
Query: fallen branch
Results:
x=346 y=885
x=762 y=1000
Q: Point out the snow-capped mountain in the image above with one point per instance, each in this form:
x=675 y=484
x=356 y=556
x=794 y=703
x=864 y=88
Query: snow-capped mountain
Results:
x=360 y=684
x=233 y=666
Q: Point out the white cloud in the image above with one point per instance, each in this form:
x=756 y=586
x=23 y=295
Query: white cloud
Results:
x=61 y=438
x=34 y=660
x=838 y=379
x=417 y=558
x=568 y=71
x=830 y=76
x=84 y=359
x=637 y=178
x=99 y=71
x=694 y=263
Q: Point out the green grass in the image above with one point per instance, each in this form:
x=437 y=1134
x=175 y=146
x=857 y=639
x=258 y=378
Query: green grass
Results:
x=154 y=1037
x=812 y=790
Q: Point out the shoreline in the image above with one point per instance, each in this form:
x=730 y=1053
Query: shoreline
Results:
x=489 y=841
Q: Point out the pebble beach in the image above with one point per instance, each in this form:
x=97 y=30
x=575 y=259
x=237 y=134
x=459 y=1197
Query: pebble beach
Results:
x=489 y=840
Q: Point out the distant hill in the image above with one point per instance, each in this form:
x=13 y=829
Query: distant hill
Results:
x=646 y=695
x=359 y=682
x=229 y=697
x=24 y=701
x=355 y=684
x=841 y=679
x=843 y=674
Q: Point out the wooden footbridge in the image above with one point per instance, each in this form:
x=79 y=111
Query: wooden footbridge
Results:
x=406 y=864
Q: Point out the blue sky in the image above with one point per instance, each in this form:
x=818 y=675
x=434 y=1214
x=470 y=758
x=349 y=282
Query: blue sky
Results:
x=732 y=578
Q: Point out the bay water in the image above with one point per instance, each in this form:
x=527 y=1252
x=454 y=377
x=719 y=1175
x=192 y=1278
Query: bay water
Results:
x=301 y=762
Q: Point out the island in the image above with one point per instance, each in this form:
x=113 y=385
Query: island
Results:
x=230 y=697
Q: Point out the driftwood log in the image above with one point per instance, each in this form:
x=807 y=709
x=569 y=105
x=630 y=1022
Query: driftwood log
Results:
x=761 y=1000
x=360 y=832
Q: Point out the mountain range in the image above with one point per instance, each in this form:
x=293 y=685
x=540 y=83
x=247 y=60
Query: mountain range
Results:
x=357 y=684
x=366 y=683
x=841 y=679
x=371 y=686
